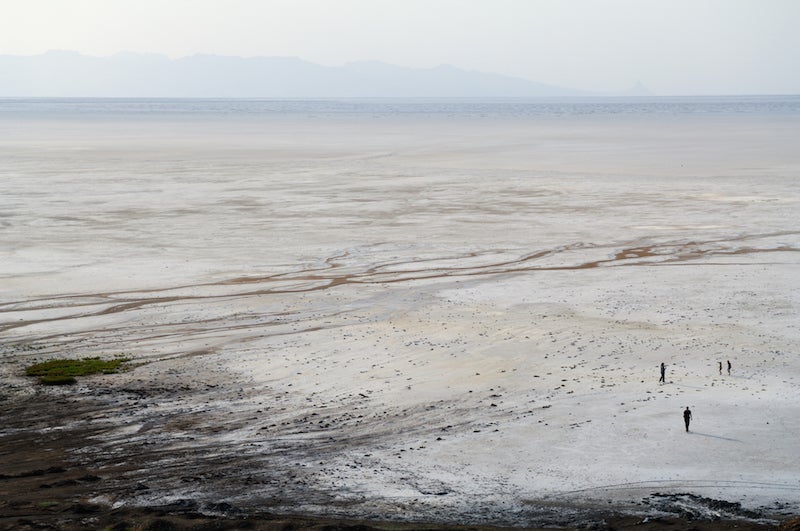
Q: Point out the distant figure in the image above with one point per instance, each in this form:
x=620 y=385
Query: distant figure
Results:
x=663 y=372
x=720 y=368
x=729 y=367
x=687 y=417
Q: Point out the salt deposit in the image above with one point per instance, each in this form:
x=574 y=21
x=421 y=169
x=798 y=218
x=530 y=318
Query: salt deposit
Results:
x=418 y=320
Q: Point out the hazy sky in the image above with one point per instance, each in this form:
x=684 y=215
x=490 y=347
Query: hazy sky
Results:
x=672 y=46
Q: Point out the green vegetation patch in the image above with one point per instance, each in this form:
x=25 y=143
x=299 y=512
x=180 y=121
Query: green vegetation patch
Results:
x=64 y=371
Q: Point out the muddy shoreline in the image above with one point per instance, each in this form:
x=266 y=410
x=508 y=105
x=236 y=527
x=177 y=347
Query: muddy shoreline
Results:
x=57 y=474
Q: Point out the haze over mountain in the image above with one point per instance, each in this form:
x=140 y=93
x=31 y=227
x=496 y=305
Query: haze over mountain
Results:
x=70 y=74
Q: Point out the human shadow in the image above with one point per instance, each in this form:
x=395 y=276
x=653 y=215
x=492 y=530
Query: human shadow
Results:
x=714 y=436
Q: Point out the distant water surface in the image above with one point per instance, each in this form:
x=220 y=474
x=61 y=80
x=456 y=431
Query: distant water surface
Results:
x=387 y=107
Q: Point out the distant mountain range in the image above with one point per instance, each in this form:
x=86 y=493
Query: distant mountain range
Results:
x=70 y=74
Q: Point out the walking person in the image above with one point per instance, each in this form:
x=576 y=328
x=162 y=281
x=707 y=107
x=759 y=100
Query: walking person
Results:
x=687 y=417
x=729 y=367
x=720 y=368
x=663 y=373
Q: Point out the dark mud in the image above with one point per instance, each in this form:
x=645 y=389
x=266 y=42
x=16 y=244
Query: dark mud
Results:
x=58 y=472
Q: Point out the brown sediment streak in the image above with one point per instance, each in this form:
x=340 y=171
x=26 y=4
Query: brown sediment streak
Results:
x=136 y=304
x=323 y=278
x=182 y=331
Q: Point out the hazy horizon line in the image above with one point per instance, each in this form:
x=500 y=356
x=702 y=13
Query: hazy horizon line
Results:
x=421 y=98
x=586 y=93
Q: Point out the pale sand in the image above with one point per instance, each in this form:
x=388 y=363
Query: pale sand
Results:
x=436 y=321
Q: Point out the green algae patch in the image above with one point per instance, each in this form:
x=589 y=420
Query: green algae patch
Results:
x=65 y=371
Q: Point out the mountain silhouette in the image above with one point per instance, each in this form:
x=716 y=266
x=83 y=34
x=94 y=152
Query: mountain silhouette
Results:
x=70 y=74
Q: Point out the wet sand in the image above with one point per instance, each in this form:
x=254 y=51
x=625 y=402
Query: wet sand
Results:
x=404 y=322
